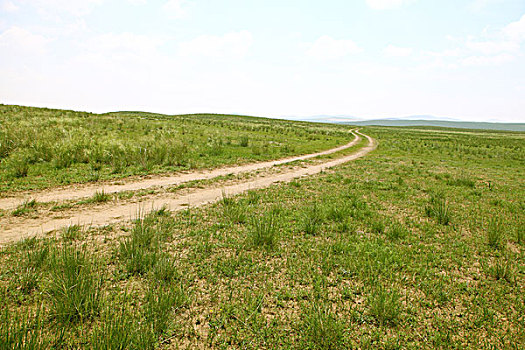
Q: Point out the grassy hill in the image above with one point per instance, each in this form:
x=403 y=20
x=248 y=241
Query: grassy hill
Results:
x=42 y=147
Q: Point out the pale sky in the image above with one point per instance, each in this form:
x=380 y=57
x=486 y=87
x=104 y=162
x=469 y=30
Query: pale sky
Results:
x=463 y=59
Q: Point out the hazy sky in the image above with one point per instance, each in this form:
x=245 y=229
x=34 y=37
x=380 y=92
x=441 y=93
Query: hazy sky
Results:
x=366 y=58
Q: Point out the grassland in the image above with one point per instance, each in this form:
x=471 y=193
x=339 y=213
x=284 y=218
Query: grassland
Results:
x=42 y=148
x=418 y=245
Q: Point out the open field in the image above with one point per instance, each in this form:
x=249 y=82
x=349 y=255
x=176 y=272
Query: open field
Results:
x=420 y=244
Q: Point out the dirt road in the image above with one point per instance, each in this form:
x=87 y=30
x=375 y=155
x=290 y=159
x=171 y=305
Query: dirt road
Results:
x=77 y=192
x=104 y=214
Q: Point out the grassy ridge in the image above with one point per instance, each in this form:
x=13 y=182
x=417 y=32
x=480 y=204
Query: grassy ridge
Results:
x=41 y=148
x=420 y=244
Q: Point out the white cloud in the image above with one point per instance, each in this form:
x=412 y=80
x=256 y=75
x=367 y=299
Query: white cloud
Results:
x=230 y=45
x=487 y=60
x=123 y=43
x=516 y=30
x=387 y=4
x=449 y=53
x=8 y=6
x=18 y=41
x=478 y=5
x=176 y=8
x=327 y=48
x=492 y=47
x=396 y=51
x=53 y=8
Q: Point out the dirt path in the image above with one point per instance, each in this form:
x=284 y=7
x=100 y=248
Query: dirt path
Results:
x=78 y=192
x=103 y=215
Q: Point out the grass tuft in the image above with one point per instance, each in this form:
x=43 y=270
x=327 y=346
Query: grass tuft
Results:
x=495 y=233
x=384 y=306
x=165 y=270
x=321 y=328
x=23 y=331
x=159 y=304
x=438 y=209
x=312 y=220
x=234 y=211
x=29 y=206
x=74 y=285
x=264 y=231
x=501 y=269
x=117 y=330
x=100 y=197
x=72 y=233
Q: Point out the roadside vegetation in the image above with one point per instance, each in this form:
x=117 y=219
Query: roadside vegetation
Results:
x=41 y=148
x=418 y=245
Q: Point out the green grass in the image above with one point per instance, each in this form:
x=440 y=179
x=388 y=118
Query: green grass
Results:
x=100 y=197
x=389 y=251
x=29 y=206
x=321 y=328
x=72 y=233
x=496 y=233
x=74 y=285
x=385 y=307
x=264 y=231
x=438 y=209
x=42 y=148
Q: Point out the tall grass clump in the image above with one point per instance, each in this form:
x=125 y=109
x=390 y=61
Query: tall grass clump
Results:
x=34 y=261
x=117 y=330
x=501 y=269
x=384 y=306
x=244 y=141
x=438 y=209
x=100 y=197
x=165 y=270
x=312 y=220
x=233 y=210
x=71 y=233
x=140 y=251
x=358 y=207
x=17 y=166
x=120 y=328
x=264 y=231
x=159 y=304
x=338 y=212
x=37 y=255
x=321 y=329
x=74 y=286
x=253 y=197
x=19 y=331
x=495 y=233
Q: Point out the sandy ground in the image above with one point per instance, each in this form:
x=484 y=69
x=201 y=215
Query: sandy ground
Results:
x=18 y=228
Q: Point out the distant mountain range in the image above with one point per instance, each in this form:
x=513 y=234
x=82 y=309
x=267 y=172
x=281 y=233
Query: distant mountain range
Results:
x=415 y=120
